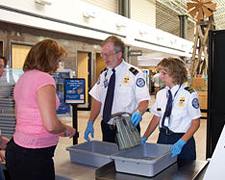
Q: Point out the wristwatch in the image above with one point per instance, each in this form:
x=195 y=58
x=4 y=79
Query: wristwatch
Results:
x=140 y=112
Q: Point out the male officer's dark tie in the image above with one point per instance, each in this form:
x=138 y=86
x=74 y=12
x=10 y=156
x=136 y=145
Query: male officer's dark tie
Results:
x=109 y=98
x=168 y=110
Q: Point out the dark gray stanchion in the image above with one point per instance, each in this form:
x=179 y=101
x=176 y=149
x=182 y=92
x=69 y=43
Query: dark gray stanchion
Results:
x=75 y=123
x=74 y=94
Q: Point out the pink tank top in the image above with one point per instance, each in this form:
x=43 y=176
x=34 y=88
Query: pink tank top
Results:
x=29 y=131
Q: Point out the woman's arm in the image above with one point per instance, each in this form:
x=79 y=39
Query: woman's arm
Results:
x=177 y=147
x=47 y=106
x=190 y=132
x=152 y=125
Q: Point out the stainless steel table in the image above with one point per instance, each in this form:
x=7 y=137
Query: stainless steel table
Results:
x=182 y=170
x=65 y=170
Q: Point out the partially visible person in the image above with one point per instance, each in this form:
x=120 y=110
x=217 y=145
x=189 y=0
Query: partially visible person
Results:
x=176 y=110
x=29 y=154
x=3 y=140
x=3 y=144
x=130 y=93
x=157 y=83
x=3 y=62
x=152 y=83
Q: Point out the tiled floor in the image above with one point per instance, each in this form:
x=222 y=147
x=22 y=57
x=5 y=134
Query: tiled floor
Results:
x=200 y=135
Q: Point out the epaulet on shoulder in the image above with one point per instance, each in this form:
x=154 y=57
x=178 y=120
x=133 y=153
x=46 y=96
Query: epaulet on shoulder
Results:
x=133 y=70
x=189 y=89
x=103 y=70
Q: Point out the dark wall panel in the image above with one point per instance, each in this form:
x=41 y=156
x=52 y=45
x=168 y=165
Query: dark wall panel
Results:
x=216 y=89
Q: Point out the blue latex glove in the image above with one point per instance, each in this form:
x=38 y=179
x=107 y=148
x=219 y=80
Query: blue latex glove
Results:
x=143 y=140
x=136 y=118
x=89 y=129
x=177 y=147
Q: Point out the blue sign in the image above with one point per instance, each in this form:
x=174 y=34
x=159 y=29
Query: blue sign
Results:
x=64 y=109
x=74 y=91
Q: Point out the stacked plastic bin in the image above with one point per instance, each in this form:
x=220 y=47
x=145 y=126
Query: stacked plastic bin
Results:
x=7 y=105
x=7 y=116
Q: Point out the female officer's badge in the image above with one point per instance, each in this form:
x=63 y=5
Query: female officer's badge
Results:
x=126 y=80
x=182 y=102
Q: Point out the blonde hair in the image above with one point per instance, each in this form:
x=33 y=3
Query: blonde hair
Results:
x=176 y=69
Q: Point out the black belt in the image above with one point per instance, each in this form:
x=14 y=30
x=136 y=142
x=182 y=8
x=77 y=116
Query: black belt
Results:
x=167 y=131
x=110 y=126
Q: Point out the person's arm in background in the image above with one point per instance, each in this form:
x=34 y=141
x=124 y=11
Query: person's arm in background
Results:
x=47 y=106
x=95 y=110
x=3 y=144
x=2 y=157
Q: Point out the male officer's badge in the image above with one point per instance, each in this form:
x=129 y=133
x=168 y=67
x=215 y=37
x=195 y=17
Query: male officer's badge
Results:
x=126 y=80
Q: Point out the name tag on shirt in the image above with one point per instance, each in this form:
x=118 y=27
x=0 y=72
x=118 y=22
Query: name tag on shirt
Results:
x=106 y=83
x=166 y=122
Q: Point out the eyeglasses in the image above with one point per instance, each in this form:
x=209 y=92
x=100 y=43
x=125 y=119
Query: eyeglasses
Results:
x=107 y=55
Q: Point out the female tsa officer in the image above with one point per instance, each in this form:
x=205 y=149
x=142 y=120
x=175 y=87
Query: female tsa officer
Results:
x=176 y=110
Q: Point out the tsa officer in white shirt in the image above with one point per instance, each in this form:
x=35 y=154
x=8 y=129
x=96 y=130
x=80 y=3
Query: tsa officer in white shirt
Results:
x=130 y=92
x=176 y=110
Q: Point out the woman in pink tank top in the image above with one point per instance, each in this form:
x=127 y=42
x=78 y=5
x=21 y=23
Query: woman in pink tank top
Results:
x=29 y=154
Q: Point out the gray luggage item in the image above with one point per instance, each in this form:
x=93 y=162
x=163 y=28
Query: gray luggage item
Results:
x=127 y=135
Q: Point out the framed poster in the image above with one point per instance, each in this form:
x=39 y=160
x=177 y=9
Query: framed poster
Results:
x=74 y=91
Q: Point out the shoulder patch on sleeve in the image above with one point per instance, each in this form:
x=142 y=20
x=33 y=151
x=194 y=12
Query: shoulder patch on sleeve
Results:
x=133 y=70
x=140 y=82
x=195 y=103
x=103 y=70
x=189 y=89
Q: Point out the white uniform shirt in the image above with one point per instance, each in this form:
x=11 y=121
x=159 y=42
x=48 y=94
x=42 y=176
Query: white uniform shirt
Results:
x=185 y=107
x=130 y=88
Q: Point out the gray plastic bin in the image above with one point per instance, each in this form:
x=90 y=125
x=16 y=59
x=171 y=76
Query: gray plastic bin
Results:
x=93 y=153
x=147 y=160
